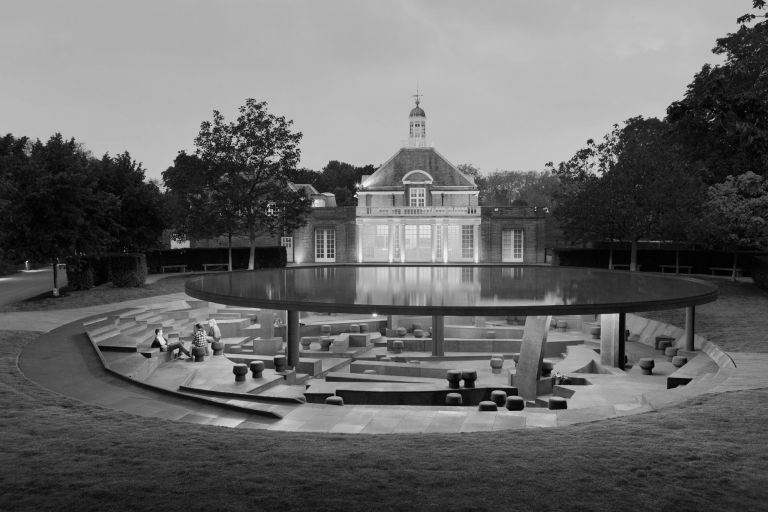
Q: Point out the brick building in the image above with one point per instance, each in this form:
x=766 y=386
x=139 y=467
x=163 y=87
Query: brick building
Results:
x=416 y=208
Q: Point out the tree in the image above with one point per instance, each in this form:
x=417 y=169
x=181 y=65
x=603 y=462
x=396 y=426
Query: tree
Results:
x=52 y=204
x=141 y=218
x=722 y=122
x=528 y=188
x=736 y=214
x=248 y=162
x=628 y=187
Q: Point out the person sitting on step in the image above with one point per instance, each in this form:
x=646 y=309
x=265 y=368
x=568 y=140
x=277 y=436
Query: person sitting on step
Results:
x=200 y=339
x=165 y=346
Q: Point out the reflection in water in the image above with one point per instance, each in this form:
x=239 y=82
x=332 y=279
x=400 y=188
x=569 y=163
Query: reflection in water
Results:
x=450 y=286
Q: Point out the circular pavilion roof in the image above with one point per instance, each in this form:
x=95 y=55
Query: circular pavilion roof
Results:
x=462 y=290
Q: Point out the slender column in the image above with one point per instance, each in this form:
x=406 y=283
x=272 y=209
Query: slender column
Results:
x=391 y=240
x=622 y=340
x=402 y=243
x=690 y=321
x=476 y=242
x=609 y=339
x=359 y=242
x=292 y=338
x=438 y=335
x=445 y=243
x=434 y=228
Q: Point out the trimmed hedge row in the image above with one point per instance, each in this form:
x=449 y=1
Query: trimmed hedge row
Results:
x=123 y=269
x=194 y=258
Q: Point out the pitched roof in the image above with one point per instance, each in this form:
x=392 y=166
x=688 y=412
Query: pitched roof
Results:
x=428 y=160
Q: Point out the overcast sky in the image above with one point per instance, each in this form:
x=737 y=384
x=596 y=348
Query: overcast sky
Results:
x=507 y=84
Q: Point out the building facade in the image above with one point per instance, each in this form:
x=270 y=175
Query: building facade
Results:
x=416 y=208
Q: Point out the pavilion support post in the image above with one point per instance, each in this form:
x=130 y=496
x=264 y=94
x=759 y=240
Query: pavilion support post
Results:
x=690 y=321
x=292 y=338
x=438 y=335
x=612 y=349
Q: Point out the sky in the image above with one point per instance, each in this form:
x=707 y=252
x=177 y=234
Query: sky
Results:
x=506 y=84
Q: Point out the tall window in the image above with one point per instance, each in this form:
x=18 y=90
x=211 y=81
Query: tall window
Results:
x=418 y=197
x=287 y=242
x=512 y=245
x=325 y=245
x=467 y=241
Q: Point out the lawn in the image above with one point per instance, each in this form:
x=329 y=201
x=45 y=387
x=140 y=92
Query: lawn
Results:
x=709 y=454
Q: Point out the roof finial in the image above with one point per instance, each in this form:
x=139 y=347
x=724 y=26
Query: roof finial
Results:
x=417 y=95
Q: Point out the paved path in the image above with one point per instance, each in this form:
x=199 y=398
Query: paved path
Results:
x=63 y=361
x=27 y=283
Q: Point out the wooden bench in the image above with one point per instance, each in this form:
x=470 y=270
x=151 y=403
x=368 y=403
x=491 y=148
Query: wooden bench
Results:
x=727 y=270
x=209 y=266
x=687 y=268
x=180 y=268
x=624 y=266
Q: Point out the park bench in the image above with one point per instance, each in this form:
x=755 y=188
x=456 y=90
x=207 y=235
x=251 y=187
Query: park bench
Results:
x=624 y=266
x=210 y=266
x=179 y=268
x=727 y=270
x=686 y=268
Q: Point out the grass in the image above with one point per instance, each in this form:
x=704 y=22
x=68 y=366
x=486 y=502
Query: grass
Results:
x=103 y=294
x=708 y=454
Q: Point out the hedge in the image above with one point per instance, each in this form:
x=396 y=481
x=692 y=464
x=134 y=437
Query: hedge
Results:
x=86 y=271
x=128 y=269
x=265 y=257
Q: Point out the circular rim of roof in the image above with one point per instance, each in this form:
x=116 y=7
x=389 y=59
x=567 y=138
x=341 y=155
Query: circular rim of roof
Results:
x=217 y=288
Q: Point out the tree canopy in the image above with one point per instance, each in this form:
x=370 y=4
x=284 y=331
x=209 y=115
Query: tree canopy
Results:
x=246 y=169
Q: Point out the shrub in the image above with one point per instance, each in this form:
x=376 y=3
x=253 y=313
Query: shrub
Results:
x=79 y=273
x=128 y=269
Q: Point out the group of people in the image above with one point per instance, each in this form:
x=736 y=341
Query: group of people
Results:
x=199 y=339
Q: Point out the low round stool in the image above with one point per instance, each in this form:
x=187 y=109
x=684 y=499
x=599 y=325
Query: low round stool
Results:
x=325 y=344
x=496 y=364
x=418 y=333
x=198 y=353
x=670 y=352
x=280 y=363
x=665 y=344
x=398 y=346
x=400 y=332
x=453 y=399
x=663 y=337
x=306 y=343
x=218 y=348
x=469 y=377
x=557 y=402
x=679 y=361
x=257 y=367
x=355 y=328
x=454 y=379
x=546 y=368
x=497 y=356
x=240 y=370
x=515 y=403
x=334 y=400
x=499 y=397
x=487 y=406
x=646 y=364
